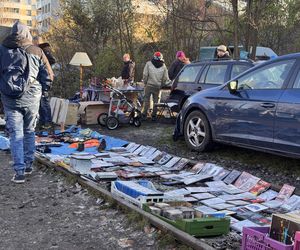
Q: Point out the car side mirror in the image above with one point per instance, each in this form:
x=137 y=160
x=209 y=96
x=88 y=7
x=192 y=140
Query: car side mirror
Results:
x=233 y=86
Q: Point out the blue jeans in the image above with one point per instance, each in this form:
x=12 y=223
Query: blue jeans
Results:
x=45 y=111
x=20 y=123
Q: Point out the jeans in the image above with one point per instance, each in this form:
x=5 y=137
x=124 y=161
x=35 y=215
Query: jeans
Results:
x=45 y=111
x=20 y=123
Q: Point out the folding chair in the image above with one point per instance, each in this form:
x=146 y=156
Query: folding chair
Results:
x=163 y=105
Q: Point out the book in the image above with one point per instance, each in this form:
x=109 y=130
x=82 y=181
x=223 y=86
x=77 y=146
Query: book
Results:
x=203 y=196
x=216 y=184
x=238 y=226
x=232 y=220
x=231 y=189
x=180 y=164
x=171 y=162
x=221 y=175
x=177 y=192
x=194 y=190
x=260 y=187
x=246 y=181
x=189 y=199
x=198 y=167
x=212 y=201
x=292 y=203
x=156 y=155
x=139 y=150
x=272 y=203
x=285 y=192
x=268 y=195
x=149 y=152
x=221 y=206
x=205 y=209
x=165 y=158
x=211 y=169
x=238 y=202
x=256 y=207
x=232 y=177
x=196 y=178
x=227 y=212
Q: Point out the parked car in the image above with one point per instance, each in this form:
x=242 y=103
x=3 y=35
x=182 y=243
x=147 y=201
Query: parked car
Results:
x=259 y=109
x=262 y=53
x=202 y=75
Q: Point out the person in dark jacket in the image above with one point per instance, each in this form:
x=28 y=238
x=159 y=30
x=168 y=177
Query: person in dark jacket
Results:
x=45 y=109
x=177 y=65
x=21 y=113
x=128 y=69
x=222 y=53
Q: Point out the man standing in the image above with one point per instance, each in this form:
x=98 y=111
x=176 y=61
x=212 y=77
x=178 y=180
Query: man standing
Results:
x=128 y=69
x=45 y=109
x=155 y=75
x=25 y=73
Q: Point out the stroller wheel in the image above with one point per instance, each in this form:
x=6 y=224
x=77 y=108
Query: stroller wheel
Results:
x=112 y=122
x=102 y=119
x=137 y=122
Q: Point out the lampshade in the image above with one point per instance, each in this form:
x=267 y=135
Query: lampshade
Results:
x=81 y=58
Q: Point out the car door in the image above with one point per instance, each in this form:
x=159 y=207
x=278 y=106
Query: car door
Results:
x=247 y=116
x=213 y=75
x=287 y=119
x=187 y=79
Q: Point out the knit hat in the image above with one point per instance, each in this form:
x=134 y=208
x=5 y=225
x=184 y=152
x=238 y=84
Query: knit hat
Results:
x=158 y=56
x=180 y=54
x=222 y=48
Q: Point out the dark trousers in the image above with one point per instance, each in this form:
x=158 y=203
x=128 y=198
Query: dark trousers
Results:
x=45 y=111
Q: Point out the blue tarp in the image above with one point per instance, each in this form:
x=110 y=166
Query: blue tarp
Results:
x=4 y=143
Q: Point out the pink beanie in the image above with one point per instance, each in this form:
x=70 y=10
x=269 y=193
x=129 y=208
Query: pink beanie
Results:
x=180 y=54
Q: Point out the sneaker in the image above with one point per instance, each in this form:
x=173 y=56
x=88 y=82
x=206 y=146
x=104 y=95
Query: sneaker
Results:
x=18 y=178
x=28 y=171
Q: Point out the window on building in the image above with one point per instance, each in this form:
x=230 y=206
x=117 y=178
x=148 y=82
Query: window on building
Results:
x=29 y=22
x=28 y=12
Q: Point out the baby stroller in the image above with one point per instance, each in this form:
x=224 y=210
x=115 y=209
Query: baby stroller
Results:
x=121 y=110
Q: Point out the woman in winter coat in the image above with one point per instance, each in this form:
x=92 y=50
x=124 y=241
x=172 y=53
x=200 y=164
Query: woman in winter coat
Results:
x=155 y=75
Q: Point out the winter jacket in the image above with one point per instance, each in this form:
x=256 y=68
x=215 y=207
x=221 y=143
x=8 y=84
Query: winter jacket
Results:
x=225 y=57
x=47 y=50
x=40 y=72
x=128 y=71
x=155 y=74
x=174 y=69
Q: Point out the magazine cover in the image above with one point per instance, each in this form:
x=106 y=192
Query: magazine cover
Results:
x=268 y=195
x=232 y=177
x=256 y=207
x=198 y=167
x=285 y=192
x=203 y=196
x=221 y=175
x=180 y=164
x=260 y=187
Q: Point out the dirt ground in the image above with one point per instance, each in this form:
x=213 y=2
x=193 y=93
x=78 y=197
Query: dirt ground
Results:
x=48 y=212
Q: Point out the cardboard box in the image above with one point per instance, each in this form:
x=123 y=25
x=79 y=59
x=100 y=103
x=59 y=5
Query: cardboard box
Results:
x=72 y=114
x=92 y=110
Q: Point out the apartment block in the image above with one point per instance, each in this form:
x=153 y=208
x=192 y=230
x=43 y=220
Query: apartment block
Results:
x=47 y=10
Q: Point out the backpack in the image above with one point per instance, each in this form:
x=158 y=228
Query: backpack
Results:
x=14 y=74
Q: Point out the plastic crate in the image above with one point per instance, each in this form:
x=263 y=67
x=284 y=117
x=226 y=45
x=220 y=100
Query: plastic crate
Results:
x=256 y=238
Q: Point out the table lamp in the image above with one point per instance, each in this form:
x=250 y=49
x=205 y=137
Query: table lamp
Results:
x=81 y=59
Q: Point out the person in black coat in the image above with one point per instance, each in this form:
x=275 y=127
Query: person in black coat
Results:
x=45 y=110
x=222 y=53
x=177 y=65
x=127 y=73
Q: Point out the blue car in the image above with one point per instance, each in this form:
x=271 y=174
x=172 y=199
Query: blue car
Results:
x=258 y=109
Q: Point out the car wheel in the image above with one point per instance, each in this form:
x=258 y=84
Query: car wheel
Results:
x=102 y=119
x=197 y=132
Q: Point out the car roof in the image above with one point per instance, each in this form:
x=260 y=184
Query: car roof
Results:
x=226 y=62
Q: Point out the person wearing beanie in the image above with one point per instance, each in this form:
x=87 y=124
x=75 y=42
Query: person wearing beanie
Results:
x=25 y=73
x=178 y=64
x=155 y=75
x=222 y=53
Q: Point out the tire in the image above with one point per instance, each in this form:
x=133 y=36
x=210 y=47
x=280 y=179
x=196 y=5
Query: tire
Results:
x=197 y=132
x=137 y=122
x=102 y=119
x=112 y=123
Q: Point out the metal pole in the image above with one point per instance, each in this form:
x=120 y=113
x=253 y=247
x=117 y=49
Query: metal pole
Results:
x=81 y=81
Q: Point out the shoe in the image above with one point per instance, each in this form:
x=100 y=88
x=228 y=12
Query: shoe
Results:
x=28 y=171
x=18 y=178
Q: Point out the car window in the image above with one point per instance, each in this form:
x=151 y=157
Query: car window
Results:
x=297 y=81
x=203 y=75
x=189 y=74
x=269 y=77
x=216 y=74
x=238 y=69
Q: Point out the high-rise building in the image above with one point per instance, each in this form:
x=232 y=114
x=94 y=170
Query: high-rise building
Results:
x=47 y=10
x=14 y=10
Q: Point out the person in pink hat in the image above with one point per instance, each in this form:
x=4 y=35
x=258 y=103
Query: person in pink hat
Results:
x=178 y=64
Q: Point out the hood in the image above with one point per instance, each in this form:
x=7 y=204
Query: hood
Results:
x=20 y=36
x=157 y=64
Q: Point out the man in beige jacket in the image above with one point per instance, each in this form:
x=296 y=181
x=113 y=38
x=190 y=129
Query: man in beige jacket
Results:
x=155 y=75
